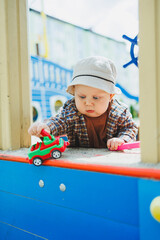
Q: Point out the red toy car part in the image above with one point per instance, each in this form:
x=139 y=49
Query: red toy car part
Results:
x=50 y=147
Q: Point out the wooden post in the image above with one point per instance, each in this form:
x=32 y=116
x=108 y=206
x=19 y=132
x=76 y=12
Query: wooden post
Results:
x=15 y=111
x=149 y=72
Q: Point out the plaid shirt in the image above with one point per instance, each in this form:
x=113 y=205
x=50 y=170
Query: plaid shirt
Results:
x=71 y=122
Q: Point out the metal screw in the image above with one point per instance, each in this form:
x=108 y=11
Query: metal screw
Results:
x=41 y=183
x=62 y=187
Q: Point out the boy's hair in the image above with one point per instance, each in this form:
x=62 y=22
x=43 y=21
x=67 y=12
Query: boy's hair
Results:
x=97 y=72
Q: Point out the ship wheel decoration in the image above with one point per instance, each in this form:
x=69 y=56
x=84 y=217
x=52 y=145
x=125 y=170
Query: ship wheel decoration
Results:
x=134 y=59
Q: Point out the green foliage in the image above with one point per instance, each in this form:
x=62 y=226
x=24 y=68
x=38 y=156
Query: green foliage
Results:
x=134 y=112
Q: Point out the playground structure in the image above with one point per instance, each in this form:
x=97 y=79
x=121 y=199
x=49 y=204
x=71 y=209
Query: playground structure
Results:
x=134 y=43
x=71 y=199
x=76 y=199
x=48 y=87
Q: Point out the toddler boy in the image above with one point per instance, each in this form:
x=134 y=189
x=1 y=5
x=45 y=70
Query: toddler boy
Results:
x=92 y=118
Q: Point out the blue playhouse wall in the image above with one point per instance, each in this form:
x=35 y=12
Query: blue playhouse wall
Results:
x=48 y=84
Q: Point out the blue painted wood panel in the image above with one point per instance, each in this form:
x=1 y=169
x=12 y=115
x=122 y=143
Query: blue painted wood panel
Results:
x=94 y=205
x=111 y=196
x=149 y=227
x=9 y=232
x=55 y=222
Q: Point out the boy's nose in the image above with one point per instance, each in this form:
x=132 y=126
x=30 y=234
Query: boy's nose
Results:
x=88 y=102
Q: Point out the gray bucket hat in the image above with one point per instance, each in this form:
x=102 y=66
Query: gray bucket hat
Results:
x=97 y=72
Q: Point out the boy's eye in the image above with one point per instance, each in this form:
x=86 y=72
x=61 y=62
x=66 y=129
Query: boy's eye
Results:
x=95 y=98
x=82 y=97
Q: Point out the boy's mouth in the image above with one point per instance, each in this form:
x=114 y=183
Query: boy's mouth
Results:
x=90 y=111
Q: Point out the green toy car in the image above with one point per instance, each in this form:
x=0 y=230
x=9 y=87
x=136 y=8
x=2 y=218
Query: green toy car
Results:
x=50 y=147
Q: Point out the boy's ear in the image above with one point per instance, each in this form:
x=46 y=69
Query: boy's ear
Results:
x=111 y=96
x=73 y=90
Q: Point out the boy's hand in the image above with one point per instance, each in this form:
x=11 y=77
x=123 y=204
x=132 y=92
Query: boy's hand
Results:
x=36 y=128
x=113 y=143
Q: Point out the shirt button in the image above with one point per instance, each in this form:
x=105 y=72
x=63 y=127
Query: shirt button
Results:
x=74 y=117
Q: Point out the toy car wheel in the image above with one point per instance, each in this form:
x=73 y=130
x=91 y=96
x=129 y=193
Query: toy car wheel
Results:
x=37 y=161
x=56 y=154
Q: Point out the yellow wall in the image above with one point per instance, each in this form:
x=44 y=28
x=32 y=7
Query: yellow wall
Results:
x=14 y=75
x=149 y=72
